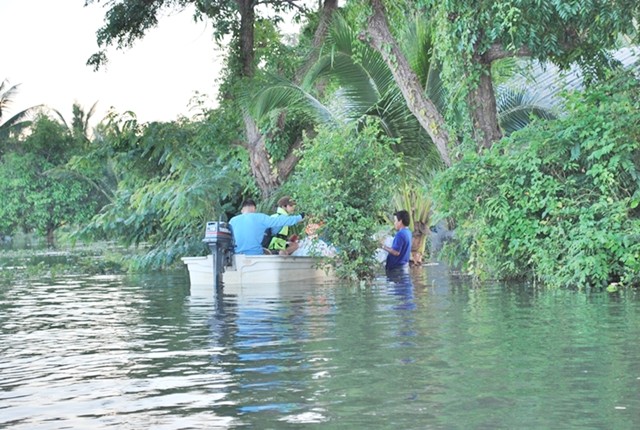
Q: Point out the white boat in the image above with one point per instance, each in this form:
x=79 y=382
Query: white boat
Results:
x=259 y=269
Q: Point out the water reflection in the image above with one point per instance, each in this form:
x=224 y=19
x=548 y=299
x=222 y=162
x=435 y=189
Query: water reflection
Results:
x=421 y=349
x=263 y=338
x=401 y=285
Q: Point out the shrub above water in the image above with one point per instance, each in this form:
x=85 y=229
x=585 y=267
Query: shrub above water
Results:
x=345 y=180
x=557 y=201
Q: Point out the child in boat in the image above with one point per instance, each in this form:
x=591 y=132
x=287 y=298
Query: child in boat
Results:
x=284 y=243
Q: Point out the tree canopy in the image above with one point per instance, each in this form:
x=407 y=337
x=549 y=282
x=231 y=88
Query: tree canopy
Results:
x=129 y=20
x=37 y=195
x=471 y=36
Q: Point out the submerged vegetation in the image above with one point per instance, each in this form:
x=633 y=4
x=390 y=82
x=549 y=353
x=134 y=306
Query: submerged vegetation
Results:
x=357 y=124
x=100 y=258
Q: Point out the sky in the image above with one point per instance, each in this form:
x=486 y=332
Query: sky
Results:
x=46 y=44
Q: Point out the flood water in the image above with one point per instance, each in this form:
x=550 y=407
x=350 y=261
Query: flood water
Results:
x=428 y=352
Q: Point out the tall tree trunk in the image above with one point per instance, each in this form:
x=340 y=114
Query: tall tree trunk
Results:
x=482 y=99
x=419 y=104
x=418 y=241
x=328 y=7
x=50 y=236
x=269 y=177
x=247 y=22
x=326 y=14
x=255 y=144
x=286 y=166
x=484 y=112
x=259 y=158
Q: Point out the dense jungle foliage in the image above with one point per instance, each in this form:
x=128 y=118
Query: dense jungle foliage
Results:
x=353 y=115
x=558 y=200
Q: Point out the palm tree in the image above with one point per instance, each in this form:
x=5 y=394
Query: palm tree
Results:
x=94 y=163
x=79 y=127
x=18 y=121
x=363 y=87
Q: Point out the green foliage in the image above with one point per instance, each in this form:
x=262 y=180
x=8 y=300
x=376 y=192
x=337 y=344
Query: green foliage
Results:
x=37 y=197
x=355 y=84
x=470 y=36
x=273 y=53
x=173 y=177
x=345 y=180
x=564 y=32
x=281 y=137
x=558 y=200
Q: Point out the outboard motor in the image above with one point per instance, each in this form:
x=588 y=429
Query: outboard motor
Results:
x=219 y=237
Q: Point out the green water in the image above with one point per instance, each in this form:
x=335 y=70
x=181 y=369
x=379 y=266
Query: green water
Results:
x=429 y=352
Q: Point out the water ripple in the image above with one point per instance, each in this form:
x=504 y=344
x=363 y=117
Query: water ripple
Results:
x=424 y=352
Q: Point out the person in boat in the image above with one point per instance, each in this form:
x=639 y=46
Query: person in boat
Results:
x=284 y=243
x=400 y=249
x=249 y=227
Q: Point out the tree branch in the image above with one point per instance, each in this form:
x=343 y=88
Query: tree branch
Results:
x=497 y=52
x=291 y=3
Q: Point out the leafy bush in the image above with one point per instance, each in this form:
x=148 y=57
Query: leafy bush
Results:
x=346 y=179
x=36 y=197
x=557 y=201
x=173 y=178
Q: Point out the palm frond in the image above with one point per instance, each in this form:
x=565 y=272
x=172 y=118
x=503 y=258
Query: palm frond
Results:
x=359 y=69
x=344 y=40
x=60 y=117
x=354 y=80
x=283 y=94
x=18 y=121
x=90 y=114
x=435 y=88
x=417 y=44
x=7 y=93
x=518 y=106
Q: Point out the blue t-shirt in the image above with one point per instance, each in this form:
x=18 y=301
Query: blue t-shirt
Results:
x=248 y=230
x=402 y=243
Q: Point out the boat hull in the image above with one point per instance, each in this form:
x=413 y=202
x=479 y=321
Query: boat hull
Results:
x=258 y=269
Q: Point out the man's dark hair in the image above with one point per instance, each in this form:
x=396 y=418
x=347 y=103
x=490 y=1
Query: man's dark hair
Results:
x=404 y=217
x=248 y=202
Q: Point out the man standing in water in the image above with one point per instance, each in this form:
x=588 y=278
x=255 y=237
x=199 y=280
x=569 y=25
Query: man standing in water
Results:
x=249 y=227
x=400 y=249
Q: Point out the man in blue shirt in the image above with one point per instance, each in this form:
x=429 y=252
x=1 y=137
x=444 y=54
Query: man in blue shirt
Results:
x=249 y=227
x=400 y=249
